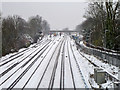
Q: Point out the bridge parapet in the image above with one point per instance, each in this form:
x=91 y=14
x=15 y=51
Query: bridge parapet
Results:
x=63 y=31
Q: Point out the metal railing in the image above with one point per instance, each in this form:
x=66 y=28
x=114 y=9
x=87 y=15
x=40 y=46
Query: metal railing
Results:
x=108 y=57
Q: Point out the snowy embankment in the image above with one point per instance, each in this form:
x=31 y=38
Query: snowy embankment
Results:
x=89 y=68
x=113 y=70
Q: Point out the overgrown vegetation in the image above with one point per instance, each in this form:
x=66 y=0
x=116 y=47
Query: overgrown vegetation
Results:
x=18 y=33
x=102 y=24
x=0 y=35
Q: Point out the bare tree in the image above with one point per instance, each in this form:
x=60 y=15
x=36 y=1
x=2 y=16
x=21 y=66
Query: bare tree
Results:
x=104 y=23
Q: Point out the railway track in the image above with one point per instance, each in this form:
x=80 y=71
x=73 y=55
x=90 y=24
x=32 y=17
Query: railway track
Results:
x=13 y=59
x=21 y=53
x=86 y=86
x=71 y=67
x=23 y=64
x=16 y=55
x=53 y=64
x=37 y=67
x=23 y=73
x=10 y=68
x=48 y=65
x=62 y=67
x=54 y=69
x=28 y=67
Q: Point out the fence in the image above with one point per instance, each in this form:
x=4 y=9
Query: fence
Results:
x=108 y=57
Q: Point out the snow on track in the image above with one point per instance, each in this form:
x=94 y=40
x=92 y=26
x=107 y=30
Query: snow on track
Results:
x=32 y=69
x=77 y=75
x=48 y=70
x=38 y=74
x=18 y=70
x=59 y=72
x=21 y=61
x=68 y=82
x=47 y=64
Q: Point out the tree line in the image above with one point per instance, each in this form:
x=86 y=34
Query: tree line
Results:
x=102 y=24
x=18 y=33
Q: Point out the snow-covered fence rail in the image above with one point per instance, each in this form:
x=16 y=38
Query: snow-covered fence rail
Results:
x=108 y=57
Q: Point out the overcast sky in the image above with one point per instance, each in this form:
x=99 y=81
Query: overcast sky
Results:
x=59 y=15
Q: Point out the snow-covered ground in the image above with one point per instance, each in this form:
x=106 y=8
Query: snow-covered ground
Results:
x=53 y=62
x=113 y=70
x=110 y=69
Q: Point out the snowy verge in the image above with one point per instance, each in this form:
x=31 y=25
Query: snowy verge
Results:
x=88 y=68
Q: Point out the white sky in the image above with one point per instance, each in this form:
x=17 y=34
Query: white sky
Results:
x=58 y=14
